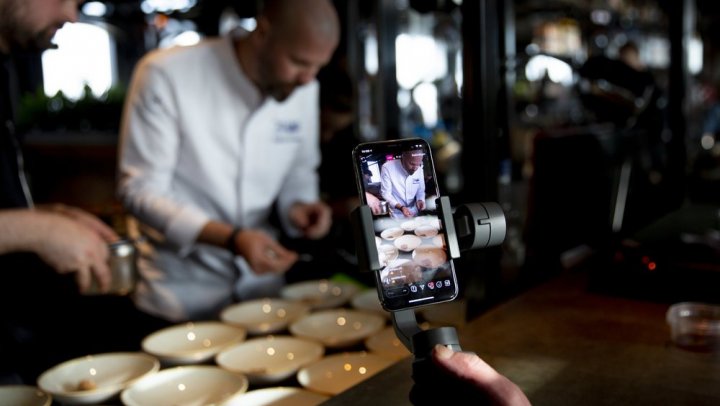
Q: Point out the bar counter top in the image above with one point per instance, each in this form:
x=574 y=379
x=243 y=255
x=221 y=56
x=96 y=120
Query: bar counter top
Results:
x=564 y=345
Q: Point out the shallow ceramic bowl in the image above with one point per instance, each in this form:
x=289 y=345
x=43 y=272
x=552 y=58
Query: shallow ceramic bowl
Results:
x=192 y=343
x=185 y=385
x=426 y=231
x=409 y=225
x=429 y=256
x=270 y=359
x=407 y=242
x=336 y=373
x=338 y=328
x=321 y=293
x=392 y=233
x=278 y=396
x=385 y=343
x=387 y=253
x=23 y=395
x=96 y=378
x=264 y=316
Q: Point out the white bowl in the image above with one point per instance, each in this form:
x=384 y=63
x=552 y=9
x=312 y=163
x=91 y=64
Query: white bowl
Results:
x=438 y=240
x=338 y=328
x=264 y=316
x=185 y=385
x=321 y=293
x=192 y=343
x=23 y=395
x=426 y=231
x=409 y=225
x=96 y=378
x=368 y=300
x=408 y=242
x=270 y=359
x=429 y=256
x=387 y=253
x=392 y=233
x=278 y=396
x=336 y=373
x=385 y=343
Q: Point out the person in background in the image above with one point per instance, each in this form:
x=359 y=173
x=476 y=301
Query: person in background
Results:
x=403 y=184
x=337 y=140
x=215 y=138
x=48 y=253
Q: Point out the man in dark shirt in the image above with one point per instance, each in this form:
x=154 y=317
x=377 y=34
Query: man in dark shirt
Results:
x=46 y=251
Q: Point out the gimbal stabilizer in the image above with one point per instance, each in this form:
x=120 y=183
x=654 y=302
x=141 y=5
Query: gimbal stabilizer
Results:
x=469 y=226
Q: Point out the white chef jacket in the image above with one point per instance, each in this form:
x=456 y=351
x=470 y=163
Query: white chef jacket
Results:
x=199 y=143
x=397 y=186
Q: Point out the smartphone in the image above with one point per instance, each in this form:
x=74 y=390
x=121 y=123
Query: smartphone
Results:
x=397 y=180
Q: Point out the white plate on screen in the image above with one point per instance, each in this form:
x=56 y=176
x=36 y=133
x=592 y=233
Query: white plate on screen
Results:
x=409 y=225
x=392 y=233
x=320 y=294
x=278 y=396
x=270 y=359
x=338 y=328
x=438 y=240
x=429 y=256
x=426 y=231
x=264 y=316
x=407 y=242
x=387 y=253
x=337 y=373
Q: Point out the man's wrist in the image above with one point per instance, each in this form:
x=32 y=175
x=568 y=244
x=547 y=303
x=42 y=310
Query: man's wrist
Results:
x=399 y=206
x=230 y=242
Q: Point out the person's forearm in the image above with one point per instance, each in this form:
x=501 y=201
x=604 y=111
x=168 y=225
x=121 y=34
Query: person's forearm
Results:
x=215 y=233
x=22 y=229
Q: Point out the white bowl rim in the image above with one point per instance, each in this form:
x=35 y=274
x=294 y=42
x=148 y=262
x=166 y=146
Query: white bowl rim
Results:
x=43 y=384
x=176 y=369
x=145 y=343
x=313 y=344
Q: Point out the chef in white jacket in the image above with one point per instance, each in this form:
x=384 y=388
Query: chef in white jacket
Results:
x=213 y=137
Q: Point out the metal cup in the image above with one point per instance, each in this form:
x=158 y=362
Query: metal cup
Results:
x=383 y=207
x=123 y=269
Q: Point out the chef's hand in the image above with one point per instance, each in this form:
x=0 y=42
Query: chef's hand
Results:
x=313 y=219
x=374 y=203
x=263 y=253
x=406 y=212
x=84 y=218
x=420 y=205
x=490 y=386
x=70 y=246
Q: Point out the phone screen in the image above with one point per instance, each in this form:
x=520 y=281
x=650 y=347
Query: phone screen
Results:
x=397 y=180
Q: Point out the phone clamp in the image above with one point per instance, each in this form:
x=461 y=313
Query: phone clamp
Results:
x=469 y=226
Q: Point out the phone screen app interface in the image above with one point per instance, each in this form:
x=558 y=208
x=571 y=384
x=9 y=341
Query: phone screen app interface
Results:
x=400 y=188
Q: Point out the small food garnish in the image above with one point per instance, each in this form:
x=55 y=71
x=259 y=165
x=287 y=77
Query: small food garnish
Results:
x=87 y=384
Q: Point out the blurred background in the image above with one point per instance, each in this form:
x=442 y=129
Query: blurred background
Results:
x=593 y=122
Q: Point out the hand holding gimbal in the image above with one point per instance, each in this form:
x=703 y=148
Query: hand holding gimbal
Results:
x=469 y=226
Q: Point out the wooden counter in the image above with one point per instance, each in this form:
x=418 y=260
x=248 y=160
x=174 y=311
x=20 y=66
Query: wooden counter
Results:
x=566 y=346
